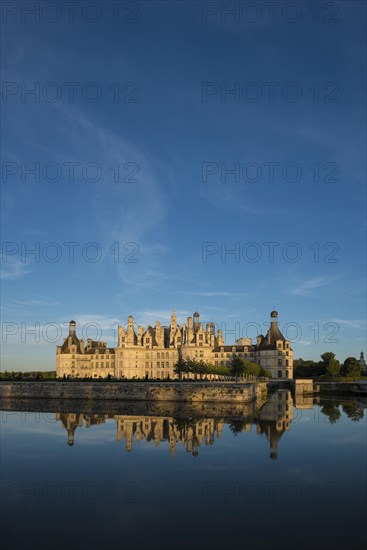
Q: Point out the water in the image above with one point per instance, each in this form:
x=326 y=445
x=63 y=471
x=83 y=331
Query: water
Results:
x=286 y=477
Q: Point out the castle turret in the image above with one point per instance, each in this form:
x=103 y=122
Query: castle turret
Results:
x=220 y=341
x=196 y=320
x=72 y=328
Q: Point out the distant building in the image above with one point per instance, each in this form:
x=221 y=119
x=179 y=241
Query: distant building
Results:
x=362 y=362
x=154 y=351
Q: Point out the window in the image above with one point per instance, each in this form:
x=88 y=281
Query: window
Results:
x=279 y=373
x=287 y=363
x=279 y=363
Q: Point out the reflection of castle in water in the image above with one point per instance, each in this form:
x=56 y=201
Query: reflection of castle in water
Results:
x=275 y=418
x=272 y=420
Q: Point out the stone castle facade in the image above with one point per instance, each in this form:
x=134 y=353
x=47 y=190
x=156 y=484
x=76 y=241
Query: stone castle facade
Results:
x=154 y=351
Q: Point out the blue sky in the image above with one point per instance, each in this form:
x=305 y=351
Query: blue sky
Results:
x=165 y=115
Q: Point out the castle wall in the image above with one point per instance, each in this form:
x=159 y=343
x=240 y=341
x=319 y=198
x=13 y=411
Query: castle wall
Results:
x=134 y=391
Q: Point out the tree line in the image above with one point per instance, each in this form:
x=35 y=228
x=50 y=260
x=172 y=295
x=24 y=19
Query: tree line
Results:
x=30 y=375
x=329 y=366
x=236 y=367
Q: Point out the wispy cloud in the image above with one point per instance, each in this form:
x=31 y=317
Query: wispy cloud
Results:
x=304 y=342
x=353 y=323
x=219 y=293
x=36 y=302
x=13 y=270
x=316 y=282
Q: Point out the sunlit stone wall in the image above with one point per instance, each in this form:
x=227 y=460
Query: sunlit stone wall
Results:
x=134 y=391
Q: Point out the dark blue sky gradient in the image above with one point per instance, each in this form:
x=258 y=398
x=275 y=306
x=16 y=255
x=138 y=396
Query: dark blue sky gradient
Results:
x=170 y=132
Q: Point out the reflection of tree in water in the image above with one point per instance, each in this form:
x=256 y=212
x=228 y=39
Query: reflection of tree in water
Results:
x=353 y=411
x=241 y=424
x=332 y=412
x=237 y=426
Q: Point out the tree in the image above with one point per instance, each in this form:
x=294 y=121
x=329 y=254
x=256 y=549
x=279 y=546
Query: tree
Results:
x=352 y=367
x=308 y=369
x=265 y=372
x=333 y=367
x=181 y=366
x=252 y=368
x=327 y=357
x=237 y=366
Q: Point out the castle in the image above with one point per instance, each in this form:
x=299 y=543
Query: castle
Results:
x=154 y=351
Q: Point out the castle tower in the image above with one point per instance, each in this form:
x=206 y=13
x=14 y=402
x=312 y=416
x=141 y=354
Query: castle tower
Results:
x=172 y=328
x=196 y=320
x=130 y=331
x=72 y=329
x=220 y=340
x=173 y=317
x=273 y=324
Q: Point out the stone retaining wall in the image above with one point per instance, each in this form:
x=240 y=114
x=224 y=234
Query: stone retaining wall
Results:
x=135 y=391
